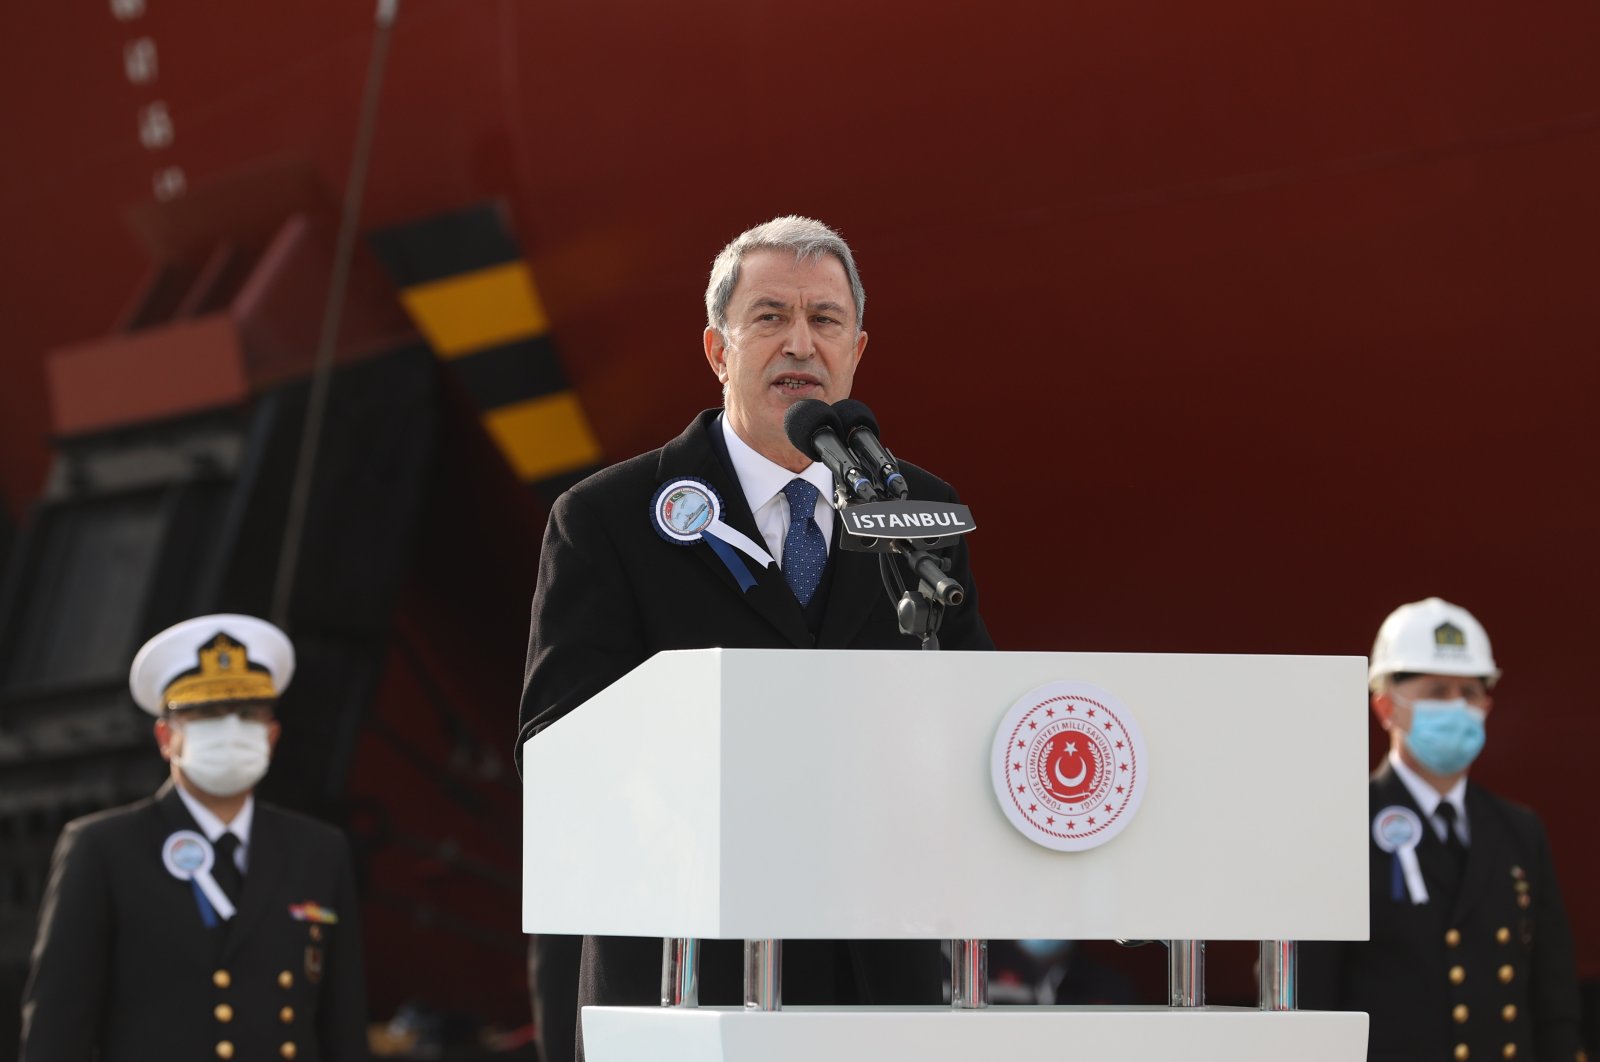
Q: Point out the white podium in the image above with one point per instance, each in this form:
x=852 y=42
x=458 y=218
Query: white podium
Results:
x=702 y=797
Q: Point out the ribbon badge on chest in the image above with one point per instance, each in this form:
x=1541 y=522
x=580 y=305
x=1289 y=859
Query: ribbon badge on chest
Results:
x=1398 y=830
x=688 y=511
x=190 y=857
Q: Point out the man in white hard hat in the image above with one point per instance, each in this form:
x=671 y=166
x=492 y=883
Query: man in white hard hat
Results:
x=200 y=923
x=1470 y=955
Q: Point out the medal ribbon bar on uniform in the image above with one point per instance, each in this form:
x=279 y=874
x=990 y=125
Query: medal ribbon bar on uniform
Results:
x=311 y=911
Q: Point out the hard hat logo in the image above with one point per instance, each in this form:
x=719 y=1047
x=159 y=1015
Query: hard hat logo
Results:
x=1447 y=636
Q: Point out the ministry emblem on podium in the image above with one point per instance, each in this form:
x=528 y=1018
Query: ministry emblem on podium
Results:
x=1069 y=766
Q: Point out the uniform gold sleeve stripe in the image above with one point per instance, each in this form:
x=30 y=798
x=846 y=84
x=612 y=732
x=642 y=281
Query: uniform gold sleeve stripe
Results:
x=474 y=310
x=543 y=436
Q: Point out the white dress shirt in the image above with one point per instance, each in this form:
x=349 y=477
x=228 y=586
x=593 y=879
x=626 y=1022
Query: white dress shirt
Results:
x=214 y=827
x=1428 y=799
x=763 y=481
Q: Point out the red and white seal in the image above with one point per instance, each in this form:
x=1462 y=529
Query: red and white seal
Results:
x=1069 y=766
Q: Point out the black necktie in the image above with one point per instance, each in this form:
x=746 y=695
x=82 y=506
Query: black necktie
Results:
x=225 y=870
x=1446 y=813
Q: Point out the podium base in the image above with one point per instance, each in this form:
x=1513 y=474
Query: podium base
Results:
x=941 y=1034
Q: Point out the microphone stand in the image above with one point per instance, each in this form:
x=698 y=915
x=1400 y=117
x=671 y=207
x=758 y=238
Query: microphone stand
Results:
x=920 y=612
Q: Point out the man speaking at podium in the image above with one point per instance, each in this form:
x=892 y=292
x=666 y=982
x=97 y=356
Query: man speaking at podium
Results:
x=783 y=323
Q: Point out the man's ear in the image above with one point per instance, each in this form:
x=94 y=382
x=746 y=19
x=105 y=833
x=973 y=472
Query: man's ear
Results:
x=716 y=354
x=1383 y=708
x=274 y=728
x=164 y=735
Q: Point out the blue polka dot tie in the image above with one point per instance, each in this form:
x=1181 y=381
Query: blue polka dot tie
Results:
x=805 y=551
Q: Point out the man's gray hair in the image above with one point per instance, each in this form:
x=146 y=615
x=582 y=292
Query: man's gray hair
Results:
x=806 y=237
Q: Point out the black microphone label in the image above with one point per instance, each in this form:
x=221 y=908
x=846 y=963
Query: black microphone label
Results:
x=927 y=524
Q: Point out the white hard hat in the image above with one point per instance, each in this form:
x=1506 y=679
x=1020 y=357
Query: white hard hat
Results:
x=225 y=657
x=1432 y=637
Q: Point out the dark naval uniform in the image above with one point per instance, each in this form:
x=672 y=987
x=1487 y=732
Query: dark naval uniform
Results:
x=1483 y=970
x=124 y=968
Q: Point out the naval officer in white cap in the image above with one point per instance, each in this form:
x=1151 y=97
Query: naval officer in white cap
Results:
x=200 y=923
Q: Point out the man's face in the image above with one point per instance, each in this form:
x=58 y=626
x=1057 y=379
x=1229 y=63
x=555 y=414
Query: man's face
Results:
x=792 y=334
x=1394 y=706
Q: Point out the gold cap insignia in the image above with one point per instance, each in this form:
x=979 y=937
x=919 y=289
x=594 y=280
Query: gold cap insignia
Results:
x=226 y=673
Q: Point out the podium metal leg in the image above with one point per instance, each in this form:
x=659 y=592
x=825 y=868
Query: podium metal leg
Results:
x=763 y=975
x=969 y=974
x=1186 y=973
x=680 y=972
x=1280 y=971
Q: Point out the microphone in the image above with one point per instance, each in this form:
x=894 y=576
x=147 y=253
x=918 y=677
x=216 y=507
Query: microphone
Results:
x=814 y=429
x=861 y=433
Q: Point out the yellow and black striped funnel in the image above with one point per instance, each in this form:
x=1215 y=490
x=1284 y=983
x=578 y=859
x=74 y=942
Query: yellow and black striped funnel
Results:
x=472 y=296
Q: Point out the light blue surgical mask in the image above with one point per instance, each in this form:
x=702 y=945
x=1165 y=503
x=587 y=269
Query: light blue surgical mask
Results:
x=1045 y=950
x=1445 y=736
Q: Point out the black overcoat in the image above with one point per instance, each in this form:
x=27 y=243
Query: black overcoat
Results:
x=613 y=592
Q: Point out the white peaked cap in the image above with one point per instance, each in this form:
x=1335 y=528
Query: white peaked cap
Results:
x=1432 y=637
x=176 y=651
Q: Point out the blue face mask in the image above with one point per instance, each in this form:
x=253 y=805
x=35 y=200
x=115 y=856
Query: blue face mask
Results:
x=1045 y=950
x=1445 y=736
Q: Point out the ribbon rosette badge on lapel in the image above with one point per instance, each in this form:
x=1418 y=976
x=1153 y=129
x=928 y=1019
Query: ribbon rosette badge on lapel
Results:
x=688 y=511
x=190 y=857
x=1397 y=830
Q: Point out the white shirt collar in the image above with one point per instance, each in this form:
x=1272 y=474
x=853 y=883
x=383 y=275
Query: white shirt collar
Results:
x=762 y=481
x=761 y=478
x=214 y=827
x=1427 y=797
